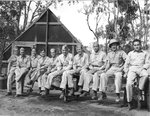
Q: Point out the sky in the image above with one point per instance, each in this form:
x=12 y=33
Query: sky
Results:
x=75 y=21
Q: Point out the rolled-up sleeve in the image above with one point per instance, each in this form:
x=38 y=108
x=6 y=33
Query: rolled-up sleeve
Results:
x=147 y=61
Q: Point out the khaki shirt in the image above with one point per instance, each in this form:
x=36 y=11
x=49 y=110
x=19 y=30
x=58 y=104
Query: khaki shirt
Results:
x=65 y=62
x=13 y=60
x=117 y=58
x=97 y=59
x=23 y=62
x=81 y=61
x=138 y=59
x=53 y=62
x=34 y=61
x=43 y=62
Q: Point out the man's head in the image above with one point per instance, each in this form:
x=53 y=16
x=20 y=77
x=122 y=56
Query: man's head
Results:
x=65 y=50
x=79 y=49
x=114 y=44
x=15 y=51
x=22 y=51
x=137 y=45
x=42 y=53
x=96 y=46
x=53 y=52
x=33 y=52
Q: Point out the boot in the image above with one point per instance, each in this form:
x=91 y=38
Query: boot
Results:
x=102 y=96
x=84 y=94
x=62 y=94
x=117 y=98
x=71 y=92
x=79 y=91
x=94 y=96
x=130 y=106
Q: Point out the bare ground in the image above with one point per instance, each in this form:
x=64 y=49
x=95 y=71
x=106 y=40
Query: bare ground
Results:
x=34 y=105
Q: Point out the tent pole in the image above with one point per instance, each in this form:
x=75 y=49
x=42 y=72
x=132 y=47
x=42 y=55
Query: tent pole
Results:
x=47 y=30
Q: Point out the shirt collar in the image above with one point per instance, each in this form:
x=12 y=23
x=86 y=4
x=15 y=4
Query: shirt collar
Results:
x=138 y=51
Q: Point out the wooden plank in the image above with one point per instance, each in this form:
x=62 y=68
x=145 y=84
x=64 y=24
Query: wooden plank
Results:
x=47 y=30
x=25 y=43
x=50 y=23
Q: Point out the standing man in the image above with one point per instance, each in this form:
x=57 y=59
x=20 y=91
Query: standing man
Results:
x=114 y=67
x=136 y=63
x=80 y=63
x=12 y=63
x=23 y=65
x=64 y=63
x=97 y=60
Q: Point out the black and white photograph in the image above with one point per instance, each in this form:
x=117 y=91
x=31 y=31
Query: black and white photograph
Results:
x=74 y=57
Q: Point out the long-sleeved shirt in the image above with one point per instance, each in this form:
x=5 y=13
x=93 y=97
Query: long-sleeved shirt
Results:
x=34 y=61
x=97 y=59
x=43 y=62
x=65 y=62
x=23 y=62
x=13 y=60
x=53 y=64
x=139 y=59
x=81 y=61
x=116 y=59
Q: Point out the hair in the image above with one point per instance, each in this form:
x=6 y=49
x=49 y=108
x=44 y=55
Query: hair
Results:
x=79 y=46
x=95 y=43
x=65 y=47
x=136 y=40
x=22 y=48
x=53 y=49
x=42 y=49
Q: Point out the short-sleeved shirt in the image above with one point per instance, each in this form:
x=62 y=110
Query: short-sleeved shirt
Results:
x=98 y=59
x=117 y=58
x=81 y=61
x=23 y=62
x=65 y=61
x=13 y=60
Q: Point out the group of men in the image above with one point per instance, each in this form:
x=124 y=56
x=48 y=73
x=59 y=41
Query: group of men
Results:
x=93 y=70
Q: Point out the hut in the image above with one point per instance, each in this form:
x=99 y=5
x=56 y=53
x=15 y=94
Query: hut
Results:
x=48 y=32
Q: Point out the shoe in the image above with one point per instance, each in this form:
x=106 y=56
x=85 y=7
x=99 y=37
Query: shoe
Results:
x=18 y=95
x=84 y=94
x=102 y=97
x=94 y=96
x=140 y=98
x=78 y=92
x=117 y=100
x=9 y=93
x=71 y=92
x=29 y=91
x=62 y=95
x=130 y=106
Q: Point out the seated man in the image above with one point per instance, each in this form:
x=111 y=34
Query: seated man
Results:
x=114 y=67
x=23 y=66
x=42 y=66
x=34 y=63
x=51 y=68
x=80 y=63
x=97 y=60
x=64 y=63
x=136 y=63
x=12 y=63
